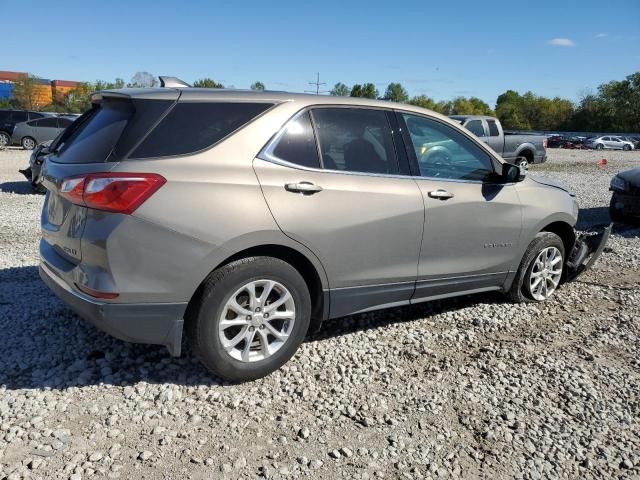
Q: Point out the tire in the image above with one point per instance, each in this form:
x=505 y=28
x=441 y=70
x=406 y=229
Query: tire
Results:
x=626 y=148
x=599 y=146
x=521 y=289
x=28 y=143
x=206 y=333
x=5 y=139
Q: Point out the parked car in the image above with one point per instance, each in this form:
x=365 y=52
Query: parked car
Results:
x=9 y=119
x=634 y=140
x=511 y=146
x=246 y=219
x=625 y=199
x=608 y=142
x=32 y=172
x=31 y=133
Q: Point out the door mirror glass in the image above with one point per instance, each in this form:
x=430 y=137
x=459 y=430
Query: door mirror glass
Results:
x=515 y=173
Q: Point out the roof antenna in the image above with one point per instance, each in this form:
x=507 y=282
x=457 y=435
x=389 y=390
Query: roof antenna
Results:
x=172 y=82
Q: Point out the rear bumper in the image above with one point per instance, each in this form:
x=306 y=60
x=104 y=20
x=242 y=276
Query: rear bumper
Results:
x=154 y=323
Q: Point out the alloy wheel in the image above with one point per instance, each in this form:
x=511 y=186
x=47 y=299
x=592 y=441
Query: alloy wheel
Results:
x=546 y=273
x=257 y=320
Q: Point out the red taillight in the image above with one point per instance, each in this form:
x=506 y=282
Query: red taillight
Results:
x=111 y=192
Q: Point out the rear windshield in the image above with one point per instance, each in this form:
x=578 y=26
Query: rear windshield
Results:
x=191 y=127
x=94 y=135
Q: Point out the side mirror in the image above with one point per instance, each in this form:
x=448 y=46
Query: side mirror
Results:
x=514 y=173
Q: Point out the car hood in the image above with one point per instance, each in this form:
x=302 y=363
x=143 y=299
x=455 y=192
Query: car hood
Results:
x=548 y=182
x=632 y=176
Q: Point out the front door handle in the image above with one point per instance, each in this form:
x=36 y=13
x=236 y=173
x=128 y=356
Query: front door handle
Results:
x=440 y=194
x=306 y=188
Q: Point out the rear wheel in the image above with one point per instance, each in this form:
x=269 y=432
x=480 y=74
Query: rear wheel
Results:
x=5 y=139
x=540 y=270
x=28 y=143
x=251 y=318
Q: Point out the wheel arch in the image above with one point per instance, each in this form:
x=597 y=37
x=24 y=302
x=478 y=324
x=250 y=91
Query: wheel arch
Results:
x=312 y=273
x=566 y=233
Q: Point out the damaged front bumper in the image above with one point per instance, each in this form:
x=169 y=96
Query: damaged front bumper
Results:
x=586 y=250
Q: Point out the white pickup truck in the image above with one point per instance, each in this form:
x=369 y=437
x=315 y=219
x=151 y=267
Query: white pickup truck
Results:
x=511 y=146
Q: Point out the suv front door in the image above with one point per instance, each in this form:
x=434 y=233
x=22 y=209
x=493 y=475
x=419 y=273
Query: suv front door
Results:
x=347 y=198
x=472 y=221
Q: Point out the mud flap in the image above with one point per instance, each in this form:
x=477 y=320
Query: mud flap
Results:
x=587 y=249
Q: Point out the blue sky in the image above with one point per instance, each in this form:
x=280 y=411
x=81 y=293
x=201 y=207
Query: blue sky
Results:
x=452 y=48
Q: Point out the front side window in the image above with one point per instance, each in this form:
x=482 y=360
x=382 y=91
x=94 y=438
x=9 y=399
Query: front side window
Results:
x=355 y=140
x=297 y=143
x=443 y=152
x=493 y=128
x=475 y=127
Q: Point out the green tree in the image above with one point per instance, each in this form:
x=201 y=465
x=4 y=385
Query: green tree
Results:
x=257 y=86
x=26 y=92
x=396 y=93
x=340 y=90
x=430 y=104
x=469 y=106
x=143 y=80
x=207 y=83
x=368 y=90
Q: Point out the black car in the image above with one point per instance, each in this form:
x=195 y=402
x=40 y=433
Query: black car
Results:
x=9 y=119
x=625 y=201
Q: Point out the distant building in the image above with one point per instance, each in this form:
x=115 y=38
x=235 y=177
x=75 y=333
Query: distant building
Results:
x=46 y=90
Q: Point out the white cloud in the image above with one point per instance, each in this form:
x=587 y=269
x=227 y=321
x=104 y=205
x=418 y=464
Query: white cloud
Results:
x=562 y=42
x=602 y=35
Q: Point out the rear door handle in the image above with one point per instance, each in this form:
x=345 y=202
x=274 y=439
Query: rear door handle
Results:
x=441 y=194
x=306 y=188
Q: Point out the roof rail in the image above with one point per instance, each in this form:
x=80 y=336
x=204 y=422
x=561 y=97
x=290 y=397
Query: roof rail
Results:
x=172 y=82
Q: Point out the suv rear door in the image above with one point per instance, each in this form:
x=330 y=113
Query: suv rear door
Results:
x=350 y=200
x=472 y=224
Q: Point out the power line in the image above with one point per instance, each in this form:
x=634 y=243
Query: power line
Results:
x=317 y=84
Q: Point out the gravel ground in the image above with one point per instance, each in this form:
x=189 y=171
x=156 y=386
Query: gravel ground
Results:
x=472 y=387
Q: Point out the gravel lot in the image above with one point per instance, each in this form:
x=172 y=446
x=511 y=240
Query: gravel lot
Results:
x=472 y=387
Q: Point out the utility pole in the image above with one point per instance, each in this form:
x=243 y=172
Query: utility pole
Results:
x=317 y=84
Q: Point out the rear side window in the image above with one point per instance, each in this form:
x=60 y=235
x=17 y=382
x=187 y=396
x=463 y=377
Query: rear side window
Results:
x=64 y=122
x=297 y=144
x=33 y=115
x=34 y=123
x=493 y=128
x=191 y=127
x=94 y=135
x=48 y=122
x=355 y=140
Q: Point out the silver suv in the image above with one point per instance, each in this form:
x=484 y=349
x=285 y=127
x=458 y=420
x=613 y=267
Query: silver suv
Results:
x=246 y=219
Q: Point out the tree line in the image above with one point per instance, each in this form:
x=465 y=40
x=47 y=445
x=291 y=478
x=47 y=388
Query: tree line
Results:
x=614 y=107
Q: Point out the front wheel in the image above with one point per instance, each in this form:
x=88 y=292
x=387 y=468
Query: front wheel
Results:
x=540 y=270
x=599 y=146
x=626 y=148
x=251 y=318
